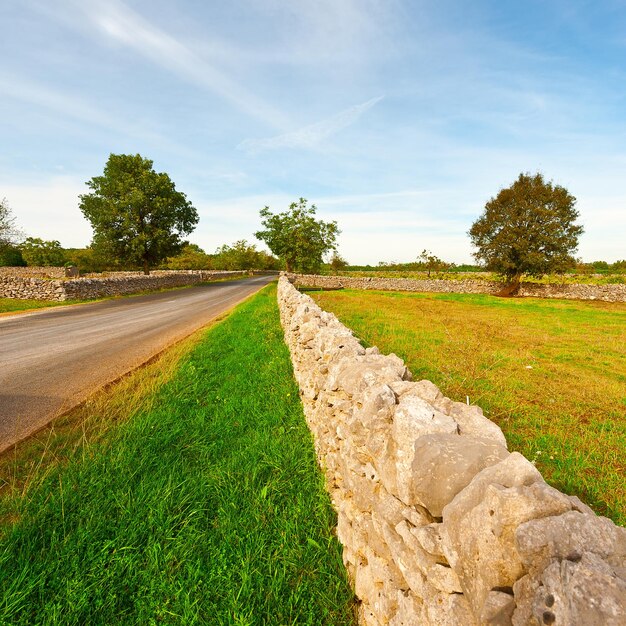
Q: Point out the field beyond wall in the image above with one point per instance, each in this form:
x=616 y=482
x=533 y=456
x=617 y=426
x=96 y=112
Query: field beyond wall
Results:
x=550 y=373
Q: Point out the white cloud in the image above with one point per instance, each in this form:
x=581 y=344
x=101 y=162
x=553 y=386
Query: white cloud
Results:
x=49 y=209
x=117 y=21
x=63 y=103
x=310 y=137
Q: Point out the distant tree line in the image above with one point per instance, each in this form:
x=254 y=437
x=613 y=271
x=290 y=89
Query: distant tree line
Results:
x=140 y=221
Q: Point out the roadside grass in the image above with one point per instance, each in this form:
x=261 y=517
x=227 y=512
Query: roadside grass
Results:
x=14 y=305
x=551 y=373
x=199 y=500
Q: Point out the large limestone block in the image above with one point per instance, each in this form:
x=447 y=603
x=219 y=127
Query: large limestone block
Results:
x=429 y=537
x=587 y=592
x=498 y=608
x=569 y=536
x=410 y=610
x=444 y=464
x=449 y=610
x=377 y=404
x=479 y=525
x=353 y=375
x=412 y=419
x=471 y=421
x=333 y=343
x=394 y=511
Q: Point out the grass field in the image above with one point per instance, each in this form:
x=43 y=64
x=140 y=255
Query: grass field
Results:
x=551 y=373
x=188 y=493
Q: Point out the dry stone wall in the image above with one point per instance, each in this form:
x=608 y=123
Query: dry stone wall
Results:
x=12 y=286
x=607 y=293
x=33 y=272
x=440 y=523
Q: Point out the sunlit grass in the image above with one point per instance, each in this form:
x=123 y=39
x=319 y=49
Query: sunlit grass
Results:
x=14 y=305
x=189 y=495
x=551 y=373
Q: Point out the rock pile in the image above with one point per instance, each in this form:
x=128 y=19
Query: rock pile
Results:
x=440 y=523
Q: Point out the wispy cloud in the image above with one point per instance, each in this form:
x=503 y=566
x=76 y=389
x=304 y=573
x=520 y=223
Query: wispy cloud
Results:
x=64 y=103
x=310 y=137
x=119 y=22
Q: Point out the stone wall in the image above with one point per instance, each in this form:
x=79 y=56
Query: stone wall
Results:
x=607 y=293
x=440 y=523
x=89 y=288
x=33 y=272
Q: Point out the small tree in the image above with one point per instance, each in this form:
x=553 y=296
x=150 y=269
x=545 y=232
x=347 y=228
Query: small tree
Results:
x=137 y=214
x=431 y=262
x=296 y=237
x=39 y=253
x=10 y=235
x=527 y=228
x=337 y=262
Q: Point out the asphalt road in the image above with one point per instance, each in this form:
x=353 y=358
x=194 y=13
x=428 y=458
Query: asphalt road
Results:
x=51 y=360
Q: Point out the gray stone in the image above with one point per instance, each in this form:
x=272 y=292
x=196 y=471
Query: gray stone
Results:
x=479 y=540
x=413 y=418
x=498 y=608
x=586 y=593
x=471 y=421
x=540 y=541
x=444 y=464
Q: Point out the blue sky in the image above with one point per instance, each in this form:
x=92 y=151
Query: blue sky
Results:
x=397 y=119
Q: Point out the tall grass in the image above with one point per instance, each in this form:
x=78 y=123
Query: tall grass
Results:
x=205 y=507
x=551 y=373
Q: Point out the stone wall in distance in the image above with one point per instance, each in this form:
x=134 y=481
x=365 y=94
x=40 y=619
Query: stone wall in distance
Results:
x=607 y=293
x=23 y=287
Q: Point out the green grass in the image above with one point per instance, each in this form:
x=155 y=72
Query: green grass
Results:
x=13 y=305
x=551 y=373
x=205 y=506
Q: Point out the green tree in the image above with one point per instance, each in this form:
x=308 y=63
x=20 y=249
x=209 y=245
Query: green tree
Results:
x=137 y=214
x=297 y=238
x=242 y=255
x=39 y=253
x=527 y=228
x=433 y=263
x=337 y=262
x=191 y=257
x=10 y=235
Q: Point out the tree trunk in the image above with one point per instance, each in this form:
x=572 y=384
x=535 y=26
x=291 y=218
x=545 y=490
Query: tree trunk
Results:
x=511 y=288
x=146 y=268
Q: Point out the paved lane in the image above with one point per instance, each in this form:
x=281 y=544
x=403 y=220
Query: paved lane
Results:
x=51 y=360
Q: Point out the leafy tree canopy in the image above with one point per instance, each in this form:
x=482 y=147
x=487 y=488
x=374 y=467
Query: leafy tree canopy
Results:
x=527 y=228
x=242 y=255
x=137 y=215
x=191 y=257
x=39 y=253
x=432 y=263
x=297 y=238
x=337 y=262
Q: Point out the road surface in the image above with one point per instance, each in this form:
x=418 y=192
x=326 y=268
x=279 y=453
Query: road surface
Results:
x=51 y=360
